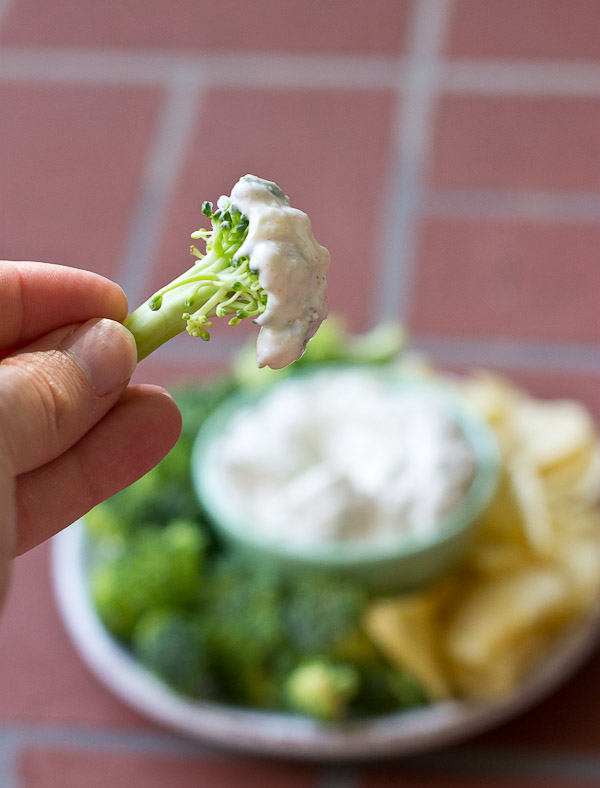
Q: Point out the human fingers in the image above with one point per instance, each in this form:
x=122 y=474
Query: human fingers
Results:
x=7 y=530
x=127 y=442
x=54 y=390
x=37 y=298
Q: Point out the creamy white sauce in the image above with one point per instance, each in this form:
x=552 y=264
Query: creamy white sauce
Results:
x=291 y=268
x=342 y=457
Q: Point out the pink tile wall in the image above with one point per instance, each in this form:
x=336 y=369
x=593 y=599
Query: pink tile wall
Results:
x=508 y=279
x=71 y=161
x=264 y=25
x=525 y=29
x=50 y=768
x=42 y=678
x=517 y=142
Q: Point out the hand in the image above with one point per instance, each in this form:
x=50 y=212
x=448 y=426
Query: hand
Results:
x=72 y=431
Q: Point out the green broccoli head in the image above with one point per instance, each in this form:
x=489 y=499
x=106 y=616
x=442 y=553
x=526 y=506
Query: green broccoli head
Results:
x=384 y=689
x=171 y=644
x=321 y=689
x=321 y=612
x=243 y=628
x=158 y=567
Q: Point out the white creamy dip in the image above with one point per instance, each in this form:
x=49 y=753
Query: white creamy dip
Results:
x=344 y=456
x=291 y=268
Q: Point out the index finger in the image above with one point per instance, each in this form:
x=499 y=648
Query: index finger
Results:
x=40 y=297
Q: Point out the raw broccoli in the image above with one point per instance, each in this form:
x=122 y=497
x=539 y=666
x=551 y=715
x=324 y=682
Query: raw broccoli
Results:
x=155 y=499
x=158 y=567
x=171 y=644
x=243 y=629
x=321 y=689
x=217 y=285
x=321 y=612
x=259 y=264
x=384 y=689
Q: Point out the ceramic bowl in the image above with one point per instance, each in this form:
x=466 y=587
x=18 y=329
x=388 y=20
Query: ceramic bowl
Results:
x=408 y=562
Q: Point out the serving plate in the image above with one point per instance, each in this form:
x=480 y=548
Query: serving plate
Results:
x=278 y=734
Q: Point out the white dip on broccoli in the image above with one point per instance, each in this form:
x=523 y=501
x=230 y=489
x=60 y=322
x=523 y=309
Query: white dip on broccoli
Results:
x=344 y=456
x=291 y=268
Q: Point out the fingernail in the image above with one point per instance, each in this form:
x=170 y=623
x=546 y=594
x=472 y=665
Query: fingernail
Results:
x=105 y=351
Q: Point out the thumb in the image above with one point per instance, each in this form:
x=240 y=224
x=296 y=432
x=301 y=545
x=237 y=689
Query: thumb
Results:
x=53 y=391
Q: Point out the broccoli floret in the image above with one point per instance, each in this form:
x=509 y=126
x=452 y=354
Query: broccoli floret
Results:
x=384 y=689
x=157 y=498
x=219 y=284
x=251 y=258
x=321 y=689
x=243 y=628
x=321 y=612
x=171 y=644
x=159 y=567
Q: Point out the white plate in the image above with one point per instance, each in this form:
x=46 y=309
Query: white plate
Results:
x=283 y=734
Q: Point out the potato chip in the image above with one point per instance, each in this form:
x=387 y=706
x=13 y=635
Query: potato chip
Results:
x=405 y=631
x=579 y=558
x=578 y=479
x=491 y=620
x=533 y=568
x=553 y=432
x=532 y=501
x=502 y=676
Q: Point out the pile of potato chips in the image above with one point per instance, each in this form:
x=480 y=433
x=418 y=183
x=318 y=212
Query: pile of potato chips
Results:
x=533 y=569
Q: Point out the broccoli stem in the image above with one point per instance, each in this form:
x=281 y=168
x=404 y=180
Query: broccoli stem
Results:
x=151 y=328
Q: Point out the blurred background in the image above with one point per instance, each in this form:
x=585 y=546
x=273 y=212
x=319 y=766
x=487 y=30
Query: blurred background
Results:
x=448 y=154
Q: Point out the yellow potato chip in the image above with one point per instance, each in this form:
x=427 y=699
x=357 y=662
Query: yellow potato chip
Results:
x=532 y=501
x=502 y=521
x=579 y=558
x=577 y=479
x=505 y=672
x=532 y=569
x=493 y=398
x=405 y=631
x=553 y=432
x=496 y=614
x=490 y=558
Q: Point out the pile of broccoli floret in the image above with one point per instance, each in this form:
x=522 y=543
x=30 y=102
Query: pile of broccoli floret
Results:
x=216 y=626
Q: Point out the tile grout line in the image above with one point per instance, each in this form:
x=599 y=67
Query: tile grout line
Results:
x=5 y=6
x=531 y=204
x=495 y=76
x=8 y=759
x=309 y=70
x=464 y=760
x=128 y=67
x=164 y=162
x=414 y=128
x=541 y=356
x=103 y=739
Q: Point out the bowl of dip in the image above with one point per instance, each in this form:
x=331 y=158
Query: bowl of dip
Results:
x=348 y=469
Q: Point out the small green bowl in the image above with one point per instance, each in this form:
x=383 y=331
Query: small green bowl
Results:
x=412 y=562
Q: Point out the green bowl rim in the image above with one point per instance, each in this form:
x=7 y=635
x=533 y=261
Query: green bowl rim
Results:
x=351 y=553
